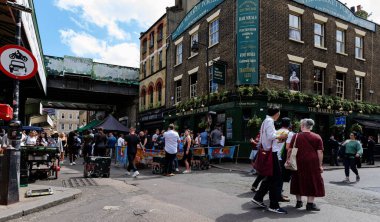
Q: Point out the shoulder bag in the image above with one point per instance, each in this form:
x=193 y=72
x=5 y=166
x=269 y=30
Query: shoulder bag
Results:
x=291 y=161
x=264 y=159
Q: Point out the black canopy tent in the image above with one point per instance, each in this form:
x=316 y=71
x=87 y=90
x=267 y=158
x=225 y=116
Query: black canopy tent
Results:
x=111 y=124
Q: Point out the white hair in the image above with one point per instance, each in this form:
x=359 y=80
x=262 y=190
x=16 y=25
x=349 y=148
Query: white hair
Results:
x=307 y=123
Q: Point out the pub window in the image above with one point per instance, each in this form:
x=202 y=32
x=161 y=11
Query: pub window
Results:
x=295 y=77
x=178 y=54
x=340 y=41
x=295 y=27
x=319 y=74
x=359 y=88
x=178 y=89
x=160 y=59
x=152 y=65
x=319 y=35
x=194 y=38
x=359 y=47
x=340 y=83
x=214 y=32
x=213 y=87
x=193 y=85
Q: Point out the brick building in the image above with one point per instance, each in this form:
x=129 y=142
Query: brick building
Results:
x=311 y=58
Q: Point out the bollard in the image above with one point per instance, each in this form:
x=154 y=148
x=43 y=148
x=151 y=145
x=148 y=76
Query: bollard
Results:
x=9 y=190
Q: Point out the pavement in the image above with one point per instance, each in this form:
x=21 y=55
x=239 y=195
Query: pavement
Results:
x=245 y=167
x=35 y=204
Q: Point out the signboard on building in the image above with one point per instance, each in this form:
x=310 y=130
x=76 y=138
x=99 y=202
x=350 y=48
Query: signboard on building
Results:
x=195 y=14
x=275 y=77
x=219 y=72
x=339 y=10
x=340 y=120
x=248 y=24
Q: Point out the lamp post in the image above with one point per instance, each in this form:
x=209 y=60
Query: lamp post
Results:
x=12 y=160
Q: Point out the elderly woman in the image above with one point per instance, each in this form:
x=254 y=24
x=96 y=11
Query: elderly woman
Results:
x=307 y=180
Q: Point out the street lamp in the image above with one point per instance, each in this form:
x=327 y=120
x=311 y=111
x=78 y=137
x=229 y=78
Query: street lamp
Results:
x=14 y=132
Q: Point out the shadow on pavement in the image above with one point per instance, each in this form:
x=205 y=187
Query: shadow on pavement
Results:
x=342 y=183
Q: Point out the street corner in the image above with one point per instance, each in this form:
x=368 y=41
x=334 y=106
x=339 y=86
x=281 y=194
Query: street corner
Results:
x=29 y=205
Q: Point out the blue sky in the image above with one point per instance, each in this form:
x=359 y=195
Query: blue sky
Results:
x=106 y=30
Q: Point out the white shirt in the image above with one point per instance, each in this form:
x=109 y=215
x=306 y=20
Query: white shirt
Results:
x=278 y=144
x=223 y=140
x=267 y=133
x=171 y=141
x=120 y=142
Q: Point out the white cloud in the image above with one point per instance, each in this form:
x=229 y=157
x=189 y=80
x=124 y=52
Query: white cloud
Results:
x=85 y=45
x=371 y=6
x=110 y=14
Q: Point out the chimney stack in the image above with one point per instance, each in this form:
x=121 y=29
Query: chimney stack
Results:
x=352 y=9
x=358 y=8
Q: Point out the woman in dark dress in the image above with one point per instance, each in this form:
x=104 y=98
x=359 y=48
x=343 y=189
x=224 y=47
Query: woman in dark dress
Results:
x=307 y=180
x=187 y=153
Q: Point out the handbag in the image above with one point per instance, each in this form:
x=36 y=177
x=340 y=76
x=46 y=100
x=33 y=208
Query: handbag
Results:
x=291 y=161
x=264 y=160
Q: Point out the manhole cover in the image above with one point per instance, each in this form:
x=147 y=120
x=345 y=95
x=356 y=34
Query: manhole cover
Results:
x=79 y=182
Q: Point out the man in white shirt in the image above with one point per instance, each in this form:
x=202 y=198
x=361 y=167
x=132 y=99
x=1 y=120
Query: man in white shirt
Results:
x=120 y=140
x=271 y=183
x=171 y=146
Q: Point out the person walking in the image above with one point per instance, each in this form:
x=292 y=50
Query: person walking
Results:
x=111 y=143
x=334 y=146
x=307 y=180
x=187 y=152
x=60 y=147
x=171 y=148
x=100 y=140
x=216 y=137
x=88 y=140
x=371 y=147
x=271 y=183
x=131 y=142
x=353 y=149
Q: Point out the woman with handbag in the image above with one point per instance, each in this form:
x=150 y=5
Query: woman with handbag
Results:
x=307 y=180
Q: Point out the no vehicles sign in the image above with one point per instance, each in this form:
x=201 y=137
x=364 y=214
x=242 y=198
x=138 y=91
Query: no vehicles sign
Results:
x=17 y=62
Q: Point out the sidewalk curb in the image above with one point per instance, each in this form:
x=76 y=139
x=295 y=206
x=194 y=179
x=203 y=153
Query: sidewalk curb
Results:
x=325 y=169
x=33 y=207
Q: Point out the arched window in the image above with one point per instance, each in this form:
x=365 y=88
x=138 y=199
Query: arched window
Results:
x=160 y=32
x=143 y=100
x=151 y=92
x=159 y=92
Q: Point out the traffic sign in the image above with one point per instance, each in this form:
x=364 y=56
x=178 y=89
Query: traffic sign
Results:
x=17 y=62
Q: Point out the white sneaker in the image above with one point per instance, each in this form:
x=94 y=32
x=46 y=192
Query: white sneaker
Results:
x=74 y=163
x=71 y=164
x=135 y=174
x=186 y=172
x=128 y=173
x=176 y=170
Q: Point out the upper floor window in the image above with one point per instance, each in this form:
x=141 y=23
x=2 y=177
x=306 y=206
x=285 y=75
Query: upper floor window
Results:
x=178 y=54
x=295 y=27
x=160 y=60
x=152 y=65
x=159 y=92
x=62 y=115
x=70 y=116
x=151 y=39
x=214 y=32
x=160 y=33
x=144 y=69
x=319 y=75
x=340 y=41
x=193 y=85
x=143 y=100
x=178 y=91
x=193 y=38
x=151 y=98
x=70 y=126
x=359 y=47
x=144 y=47
x=295 y=77
x=319 y=35
x=359 y=88
x=62 y=126
x=340 y=83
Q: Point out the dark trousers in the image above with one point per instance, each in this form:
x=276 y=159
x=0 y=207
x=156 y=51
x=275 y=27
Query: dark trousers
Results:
x=350 y=163
x=271 y=184
x=370 y=157
x=169 y=162
x=334 y=158
x=73 y=152
x=257 y=181
x=87 y=150
x=131 y=162
x=100 y=151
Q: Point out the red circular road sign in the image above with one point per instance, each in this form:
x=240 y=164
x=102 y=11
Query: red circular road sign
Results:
x=17 y=62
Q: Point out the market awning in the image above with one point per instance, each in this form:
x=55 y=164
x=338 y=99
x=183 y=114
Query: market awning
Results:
x=369 y=124
x=91 y=125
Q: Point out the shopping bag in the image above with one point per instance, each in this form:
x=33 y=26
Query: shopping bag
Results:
x=264 y=162
x=291 y=161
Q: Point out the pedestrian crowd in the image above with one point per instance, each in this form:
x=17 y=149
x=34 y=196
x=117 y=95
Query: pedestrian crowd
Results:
x=283 y=155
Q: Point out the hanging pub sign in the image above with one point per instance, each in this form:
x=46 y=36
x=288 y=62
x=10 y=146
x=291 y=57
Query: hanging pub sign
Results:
x=17 y=62
x=6 y=112
x=248 y=25
x=219 y=72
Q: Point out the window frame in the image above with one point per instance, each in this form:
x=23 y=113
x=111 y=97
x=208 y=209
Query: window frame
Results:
x=151 y=60
x=151 y=39
x=322 y=81
x=191 y=43
x=213 y=33
x=342 y=42
x=296 y=29
x=321 y=36
x=340 y=85
x=212 y=87
x=160 y=64
x=361 y=47
x=179 y=54
x=159 y=92
x=193 y=86
x=359 y=91
x=178 y=90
